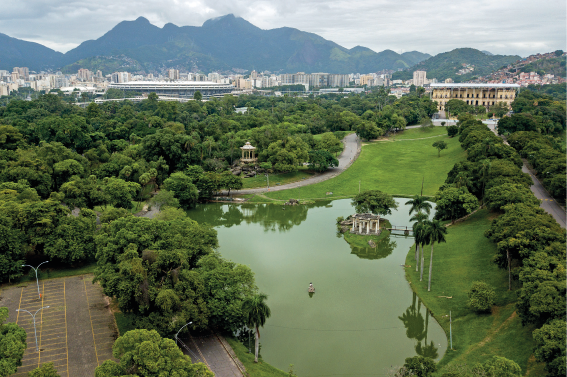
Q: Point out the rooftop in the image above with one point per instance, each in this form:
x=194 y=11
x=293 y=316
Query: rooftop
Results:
x=472 y=85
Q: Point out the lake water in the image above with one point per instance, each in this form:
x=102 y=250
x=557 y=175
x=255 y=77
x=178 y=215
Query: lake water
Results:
x=363 y=318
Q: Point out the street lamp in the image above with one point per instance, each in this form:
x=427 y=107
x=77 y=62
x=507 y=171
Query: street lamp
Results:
x=33 y=316
x=35 y=268
x=187 y=324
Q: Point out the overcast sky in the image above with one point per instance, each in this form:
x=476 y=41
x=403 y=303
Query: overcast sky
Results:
x=519 y=27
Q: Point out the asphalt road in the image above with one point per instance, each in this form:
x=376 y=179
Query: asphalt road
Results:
x=350 y=153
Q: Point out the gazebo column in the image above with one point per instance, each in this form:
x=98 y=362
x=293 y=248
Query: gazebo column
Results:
x=368 y=227
x=353 y=224
x=359 y=227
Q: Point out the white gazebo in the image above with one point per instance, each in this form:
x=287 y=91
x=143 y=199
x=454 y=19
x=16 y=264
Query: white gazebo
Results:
x=365 y=223
x=248 y=153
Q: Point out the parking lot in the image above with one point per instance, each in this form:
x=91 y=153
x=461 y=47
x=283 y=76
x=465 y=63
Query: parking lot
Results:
x=76 y=332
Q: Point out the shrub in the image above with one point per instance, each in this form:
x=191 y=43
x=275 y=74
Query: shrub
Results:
x=452 y=131
x=481 y=296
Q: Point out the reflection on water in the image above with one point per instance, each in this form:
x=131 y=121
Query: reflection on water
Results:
x=361 y=291
x=271 y=217
x=417 y=327
x=384 y=247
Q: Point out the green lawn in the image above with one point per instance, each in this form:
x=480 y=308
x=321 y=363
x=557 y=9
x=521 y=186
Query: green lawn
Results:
x=465 y=258
x=260 y=369
x=395 y=167
x=282 y=179
x=421 y=132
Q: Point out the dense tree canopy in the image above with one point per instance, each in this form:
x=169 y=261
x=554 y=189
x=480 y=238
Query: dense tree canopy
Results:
x=12 y=345
x=145 y=353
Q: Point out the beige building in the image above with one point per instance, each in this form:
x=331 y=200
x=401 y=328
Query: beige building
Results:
x=474 y=94
x=419 y=78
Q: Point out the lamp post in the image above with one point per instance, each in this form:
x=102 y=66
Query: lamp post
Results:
x=35 y=269
x=33 y=316
x=185 y=325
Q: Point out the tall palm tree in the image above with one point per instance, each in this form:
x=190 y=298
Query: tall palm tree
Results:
x=436 y=233
x=419 y=203
x=256 y=311
x=422 y=238
x=418 y=218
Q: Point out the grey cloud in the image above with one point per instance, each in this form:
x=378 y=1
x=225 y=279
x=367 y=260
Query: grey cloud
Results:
x=506 y=26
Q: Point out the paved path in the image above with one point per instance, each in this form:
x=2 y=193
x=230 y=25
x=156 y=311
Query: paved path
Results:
x=547 y=202
x=348 y=156
x=214 y=352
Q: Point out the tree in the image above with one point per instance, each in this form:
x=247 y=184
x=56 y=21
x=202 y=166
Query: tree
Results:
x=197 y=96
x=12 y=345
x=499 y=366
x=164 y=198
x=231 y=182
x=550 y=347
x=452 y=131
x=45 y=370
x=183 y=188
x=285 y=155
x=257 y=312
x=509 y=193
x=12 y=251
x=453 y=203
x=418 y=233
x=499 y=109
x=167 y=273
x=119 y=192
x=374 y=201
x=419 y=204
x=147 y=354
x=435 y=232
x=440 y=145
x=481 y=296
x=421 y=366
x=322 y=160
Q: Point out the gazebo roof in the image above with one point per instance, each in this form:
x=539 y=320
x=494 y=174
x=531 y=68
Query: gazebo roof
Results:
x=248 y=146
x=366 y=216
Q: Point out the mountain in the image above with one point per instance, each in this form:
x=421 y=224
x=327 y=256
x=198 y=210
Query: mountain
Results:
x=487 y=52
x=221 y=43
x=461 y=64
x=17 y=53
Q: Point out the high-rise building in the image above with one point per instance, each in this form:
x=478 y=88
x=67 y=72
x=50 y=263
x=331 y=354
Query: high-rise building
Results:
x=419 y=78
x=24 y=72
x=85 y=75
x=173 y=74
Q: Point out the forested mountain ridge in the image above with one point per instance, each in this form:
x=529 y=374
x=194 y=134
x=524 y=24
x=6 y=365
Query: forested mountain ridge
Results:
x=17 y=53
x=224 y=43
x=448 y=64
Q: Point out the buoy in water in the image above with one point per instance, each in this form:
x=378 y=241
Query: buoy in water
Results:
x=311 y=288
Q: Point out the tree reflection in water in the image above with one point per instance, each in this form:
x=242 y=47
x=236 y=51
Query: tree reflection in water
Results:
x=384 y=247
x=416 y=328
x=272 y=217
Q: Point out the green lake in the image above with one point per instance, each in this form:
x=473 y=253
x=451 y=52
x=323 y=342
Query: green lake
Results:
x=363 y=318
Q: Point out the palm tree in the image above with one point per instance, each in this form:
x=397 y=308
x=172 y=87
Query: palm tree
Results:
x=418 y=218
x=419 y=203
x=421 y=238
x=436 y=233
x=256 y=312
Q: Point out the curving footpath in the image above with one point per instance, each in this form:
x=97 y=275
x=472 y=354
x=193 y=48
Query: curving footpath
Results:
x=351 y=151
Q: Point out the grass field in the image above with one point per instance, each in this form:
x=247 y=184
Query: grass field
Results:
x=465 y=258
x=282 y=179
x=260 y=369
x=396 y=167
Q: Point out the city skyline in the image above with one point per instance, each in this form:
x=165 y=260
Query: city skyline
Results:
x=505 y=27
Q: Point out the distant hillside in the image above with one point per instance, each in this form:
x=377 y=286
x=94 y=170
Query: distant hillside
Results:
x=448 y=64
x=221 y=43
x=17 y=53
x=553 y=66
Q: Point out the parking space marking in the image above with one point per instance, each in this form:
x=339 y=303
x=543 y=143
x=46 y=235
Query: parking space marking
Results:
x=90 y=318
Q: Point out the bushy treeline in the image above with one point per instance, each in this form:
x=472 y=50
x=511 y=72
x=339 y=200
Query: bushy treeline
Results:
x=530 y=243
x=534 y=112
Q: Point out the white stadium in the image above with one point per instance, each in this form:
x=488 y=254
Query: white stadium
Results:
x=181 y=89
